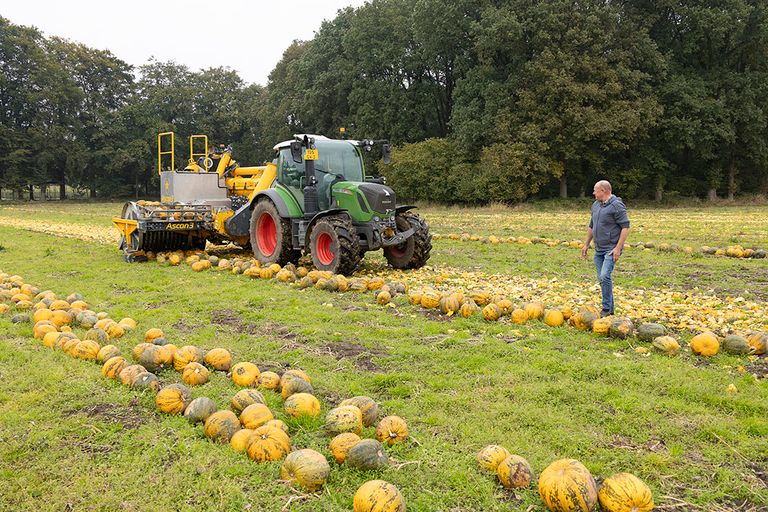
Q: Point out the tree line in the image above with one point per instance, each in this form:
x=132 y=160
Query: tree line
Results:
x=484 y=100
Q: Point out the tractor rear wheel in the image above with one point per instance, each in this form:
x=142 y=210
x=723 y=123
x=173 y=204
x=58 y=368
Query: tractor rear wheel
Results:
x=414 y=252
x=271 y=235
x=334 y=245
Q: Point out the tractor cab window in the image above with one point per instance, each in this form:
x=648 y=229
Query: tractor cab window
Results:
x=291 y=174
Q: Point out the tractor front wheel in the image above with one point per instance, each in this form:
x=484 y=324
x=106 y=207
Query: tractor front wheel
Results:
x=334 y=245
x=414 y=252
x=271 y=235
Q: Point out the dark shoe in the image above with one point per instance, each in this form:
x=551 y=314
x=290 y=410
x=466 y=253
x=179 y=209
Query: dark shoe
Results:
x=605 y=313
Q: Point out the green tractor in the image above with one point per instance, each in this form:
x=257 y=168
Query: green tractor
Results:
x=323 y=203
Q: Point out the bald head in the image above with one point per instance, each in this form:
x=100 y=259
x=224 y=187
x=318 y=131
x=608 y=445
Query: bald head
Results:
x=602 y=190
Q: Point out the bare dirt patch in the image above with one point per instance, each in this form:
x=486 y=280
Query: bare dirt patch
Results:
x=359 y=355
x=233 y=320
x=183 y=327
x=625 y=443
x=759 y=368
x=130 y=416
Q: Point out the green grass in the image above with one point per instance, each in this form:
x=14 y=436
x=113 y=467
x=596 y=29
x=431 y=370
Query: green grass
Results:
x=72 y=437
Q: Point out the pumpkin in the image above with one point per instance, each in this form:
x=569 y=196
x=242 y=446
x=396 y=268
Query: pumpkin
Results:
x=535 y=310
x=139 y=349
x=621 y=328
x=58 y=305
x=519 y=316
x=649 y=332
x=127 y=374
x=450 y=304
x=414 y=297
x=341 y=444
x=41 y=314
x=383 y=297
x=39 y=331
x=195 y=374
x=567 y=486
x=368 y=407
x=705 y=344
x=758 y=341
x=301 y=404
x=245 y=374
x=268 y=444
x=219 y=359
x=173 y=399
x=391 y=430
x=278 y=424
x=367 y=454
x=294 y=385
x=667 y=345
x=128 y=323
x=113 y=367
x=152 y=334
x=255 y=415
x=239 y=440
x=491 y=312
x=246 y=397
x=185 y=355
x=87 y=349
x=481 y=297
x=107 y=352
x=199 y=409
x=103 y=323
x=345 y=418
x=146 y=380
x=295 y=372
x=98 y=335
x=735 y=344
x=221 y=426
x=378 y=496
x=583 y=320
x=307 y=468
x=554 y=318
x=468 y=308
x=156 y=357
x=601 y=326
x=430 y=299
x=491 y=456
x=269 y=380
x=514 y=472
x=115 y=331
x=49 y=340
x=625 y=492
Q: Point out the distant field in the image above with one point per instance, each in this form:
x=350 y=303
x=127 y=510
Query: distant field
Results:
x=73 y=440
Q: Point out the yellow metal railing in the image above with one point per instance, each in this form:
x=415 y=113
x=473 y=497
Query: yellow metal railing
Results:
x=161 y=153
x=192 y=153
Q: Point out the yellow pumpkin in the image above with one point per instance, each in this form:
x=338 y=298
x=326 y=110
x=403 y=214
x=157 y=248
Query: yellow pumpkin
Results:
x=185 y=355
x=519 y=316
x=87 y=349
x=368 y=407
x=153 y=334
x=468 y=308
x=195 y=374
x=705 y=344
x=392 y=430
x=514 y=472
x=491 y=312
x=491 y=456
x=292 y=385
x=554 y=318
x=127 y=374
x=277 y=424
x=567 y=486
x=301 y=404
x=219 y=359
x=307 y=468
x=245 y=374
x=113 y=367
x=173 y=399
x=430 y=299
x=269 y=380
x=378 y=496
x=758 y=341
x=221 y=426
x=667 y=345
x=255 y=415
x=239 y=440
x=625 y=492
x=268 y=444
x=345 y=418
x=139 y=349
x=107 y=352
x=601 y=326
x=341 y=444
x=535 y=310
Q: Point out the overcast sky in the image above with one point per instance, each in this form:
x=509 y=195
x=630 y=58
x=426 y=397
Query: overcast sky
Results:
x=247 y=36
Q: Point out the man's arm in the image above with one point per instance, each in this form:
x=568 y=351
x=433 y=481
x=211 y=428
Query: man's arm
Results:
x=585 y=247
x=620 y=245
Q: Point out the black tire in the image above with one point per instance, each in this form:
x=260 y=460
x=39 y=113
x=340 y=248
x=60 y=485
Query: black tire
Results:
x=334 y=245
x=414 y=252
x=271 y=235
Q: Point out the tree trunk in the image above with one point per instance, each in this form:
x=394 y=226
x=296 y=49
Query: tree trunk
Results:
x=731 y=180
x=93 y=192
x=31 y=192
x=659 y=195
x=564 y=185
x=712 y=194
x=62 y=188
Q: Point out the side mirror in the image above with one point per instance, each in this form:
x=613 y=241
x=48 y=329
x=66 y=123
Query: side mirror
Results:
x=296 y=151
x=385 y=153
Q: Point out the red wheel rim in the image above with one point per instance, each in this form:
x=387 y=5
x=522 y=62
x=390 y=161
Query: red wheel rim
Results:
x=323 y=248
x=266 y=234
x=397 y=250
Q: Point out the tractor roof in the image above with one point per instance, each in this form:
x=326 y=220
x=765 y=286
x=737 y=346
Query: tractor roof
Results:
x=287 y=143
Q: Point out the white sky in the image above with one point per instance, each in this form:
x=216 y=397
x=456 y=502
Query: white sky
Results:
x=247 y=36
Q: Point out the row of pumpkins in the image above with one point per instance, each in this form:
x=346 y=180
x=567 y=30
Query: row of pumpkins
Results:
x=566 y=484
x=249 y=425
x=731 y=251
x=491 y=307
x=466 y=303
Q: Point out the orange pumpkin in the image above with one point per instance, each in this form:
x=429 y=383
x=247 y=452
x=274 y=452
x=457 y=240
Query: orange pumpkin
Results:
x=346 y=418
x=378 y=496
x=173 y=399
x=195 y=374
x=554 y=318
x=185 y=355
x=113 y=367
x=255 y=415
x=368 y=407
x=245 y=374
x=127 y=374
x=219 y=359
x=392 y=430
x=221 y=426
x=239 y=440
x=268 y=444
x=625 y=492
x=269 y=380
x=705 y=344
x=301 y=404
x=567 y=486
x=341 y=444
x=246 y=397
x=307 y=468
x=153 y=334
x=292 y=385
x=491 y=312
x=514 y=472
x=491 y=456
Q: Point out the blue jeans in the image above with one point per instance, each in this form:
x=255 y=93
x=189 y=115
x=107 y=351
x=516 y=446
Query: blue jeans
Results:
x=604 y=264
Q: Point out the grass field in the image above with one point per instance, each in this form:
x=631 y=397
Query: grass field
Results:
x=73 y=440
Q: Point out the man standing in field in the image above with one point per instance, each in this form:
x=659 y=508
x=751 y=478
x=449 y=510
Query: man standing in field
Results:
x=609 y=228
